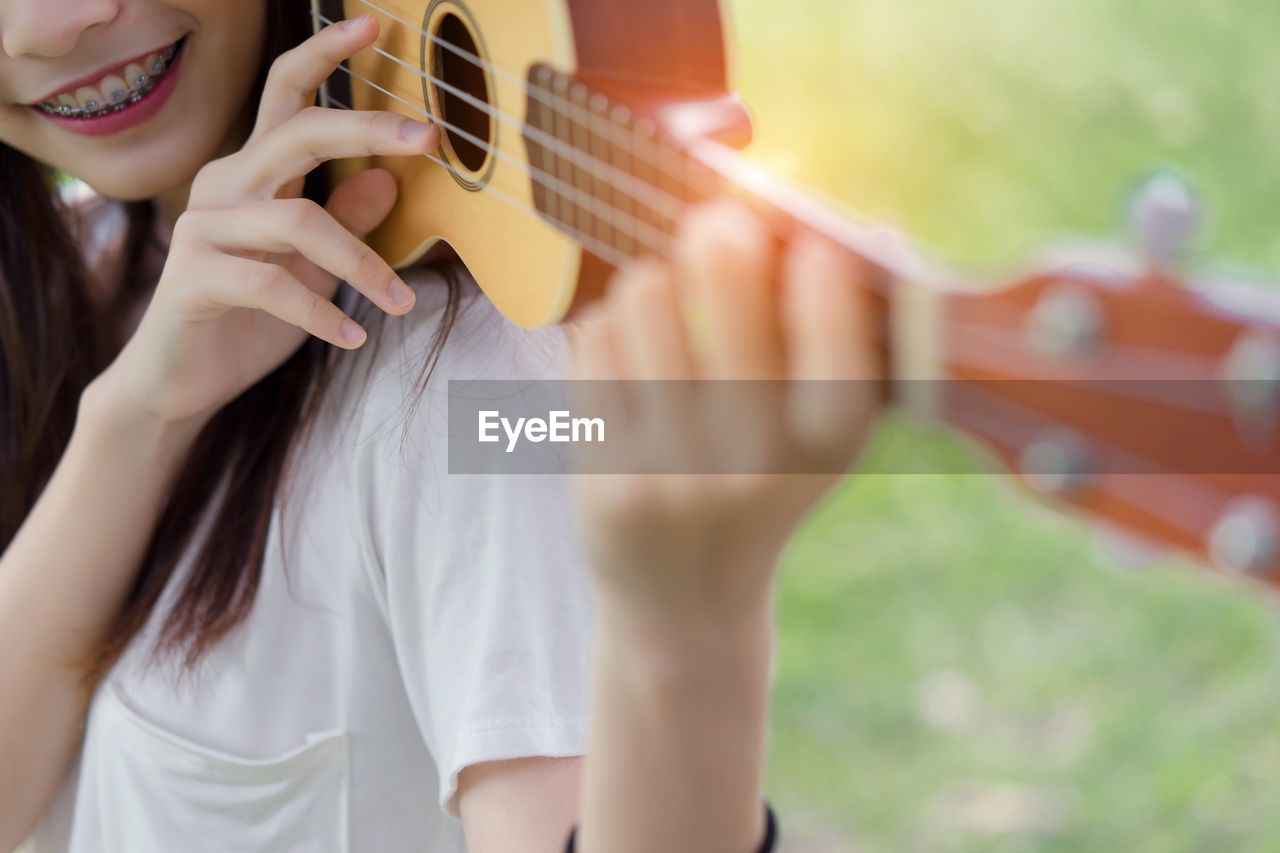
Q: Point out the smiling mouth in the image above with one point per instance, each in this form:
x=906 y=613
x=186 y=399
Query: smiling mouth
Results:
x=144 y=77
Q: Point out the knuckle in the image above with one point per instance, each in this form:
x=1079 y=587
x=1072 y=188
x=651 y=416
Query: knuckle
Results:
x=726 y=235
x=187 y=228
x=369 y=265
x=300 y=214
x=312 y=128
x=311 y=114
x=284 y=68
x=267 y=282
x=206 y=181
x=316 y=313
x=383 y=124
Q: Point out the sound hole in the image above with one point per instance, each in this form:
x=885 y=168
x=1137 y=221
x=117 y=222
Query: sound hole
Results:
x=462 y=74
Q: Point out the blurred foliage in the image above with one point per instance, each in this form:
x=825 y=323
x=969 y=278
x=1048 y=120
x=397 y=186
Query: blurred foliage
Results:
x=959 y=667
x=985 y=127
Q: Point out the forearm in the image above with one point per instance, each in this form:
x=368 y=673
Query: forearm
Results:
x=63 y=578
x=676 y=754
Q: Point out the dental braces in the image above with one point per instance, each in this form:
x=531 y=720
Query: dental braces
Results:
x=120 y=98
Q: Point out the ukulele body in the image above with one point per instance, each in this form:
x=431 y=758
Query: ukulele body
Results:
x=486 y=203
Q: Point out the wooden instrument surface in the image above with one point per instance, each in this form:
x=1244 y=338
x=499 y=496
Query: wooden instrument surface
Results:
x=578 y=131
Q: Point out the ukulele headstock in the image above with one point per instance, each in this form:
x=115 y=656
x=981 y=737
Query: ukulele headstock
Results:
x=1110 y=382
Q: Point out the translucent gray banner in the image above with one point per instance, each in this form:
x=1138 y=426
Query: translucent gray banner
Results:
x=1040 y=428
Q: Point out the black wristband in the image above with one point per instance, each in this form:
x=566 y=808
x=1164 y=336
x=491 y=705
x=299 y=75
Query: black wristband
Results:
x=770 y=833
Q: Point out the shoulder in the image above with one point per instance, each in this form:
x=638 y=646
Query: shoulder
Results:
x=399 y=380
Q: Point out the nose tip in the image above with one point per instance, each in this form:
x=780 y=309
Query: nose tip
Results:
x=48 y=28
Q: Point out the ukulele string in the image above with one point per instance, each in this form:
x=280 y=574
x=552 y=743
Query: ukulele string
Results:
x=642 y=133
x=539 y=93
x=992 y=335
x=558 y=104
x=611 y=175
x=697 y=179
x=604 y=251
x=1197 y=506
x=1002 y=319
x=611 y=255
x=583 y=199
x=1161 y=365
x=588 y=241
x=553 y=100
x=539 y=176
x=643 y=136
x=656 y=198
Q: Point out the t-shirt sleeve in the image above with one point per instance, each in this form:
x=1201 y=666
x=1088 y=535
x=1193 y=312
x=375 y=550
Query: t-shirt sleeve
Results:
x=486 y=586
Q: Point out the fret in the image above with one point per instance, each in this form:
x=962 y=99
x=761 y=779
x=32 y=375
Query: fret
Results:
x=584 y=218
x=621 y=156
x=603 y=191
x=545 y=200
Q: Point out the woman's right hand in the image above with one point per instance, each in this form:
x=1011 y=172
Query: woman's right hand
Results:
x=253 y=268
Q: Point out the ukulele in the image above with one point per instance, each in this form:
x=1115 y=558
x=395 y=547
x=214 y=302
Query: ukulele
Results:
x=576 y=132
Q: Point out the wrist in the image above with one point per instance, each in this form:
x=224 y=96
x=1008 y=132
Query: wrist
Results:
x=722 y=648
x=108 y=408
x=679 y=725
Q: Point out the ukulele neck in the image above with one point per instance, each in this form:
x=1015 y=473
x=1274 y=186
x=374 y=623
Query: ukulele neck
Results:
x=617 y=179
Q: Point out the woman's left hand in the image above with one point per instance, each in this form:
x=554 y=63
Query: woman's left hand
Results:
x=694 y=544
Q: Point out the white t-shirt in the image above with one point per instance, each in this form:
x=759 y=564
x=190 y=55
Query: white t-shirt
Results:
x=426 y=621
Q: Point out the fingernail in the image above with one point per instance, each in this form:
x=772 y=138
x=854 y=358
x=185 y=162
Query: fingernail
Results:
x=414 y=131
x=353 y=23
x=400 y=294
x=352 y=333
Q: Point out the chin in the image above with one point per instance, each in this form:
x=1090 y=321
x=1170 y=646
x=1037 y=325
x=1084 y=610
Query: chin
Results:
x=137 y=186
x=144 y=174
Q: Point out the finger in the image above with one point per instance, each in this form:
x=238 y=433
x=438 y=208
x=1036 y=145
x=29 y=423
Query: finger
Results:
x=725 y=258
x=244 y=283
x=599 y=379
x=654 y=340
x=831 y=353
x=317 y=134
x=653 y=343
x=359 y=204
x=302 y=226
x=594 y=344
x=296 y=75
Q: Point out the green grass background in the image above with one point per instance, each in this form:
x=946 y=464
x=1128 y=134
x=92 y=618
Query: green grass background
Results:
x=960 y=668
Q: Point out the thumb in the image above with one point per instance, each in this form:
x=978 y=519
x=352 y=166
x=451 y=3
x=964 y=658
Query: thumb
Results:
x=362 y=201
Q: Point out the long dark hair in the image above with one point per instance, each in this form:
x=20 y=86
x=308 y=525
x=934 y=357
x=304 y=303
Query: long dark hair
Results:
x=55 y=338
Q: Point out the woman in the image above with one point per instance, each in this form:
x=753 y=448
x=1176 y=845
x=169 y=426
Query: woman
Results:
x=184 y=664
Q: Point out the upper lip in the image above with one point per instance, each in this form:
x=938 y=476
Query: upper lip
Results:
x=95 y=77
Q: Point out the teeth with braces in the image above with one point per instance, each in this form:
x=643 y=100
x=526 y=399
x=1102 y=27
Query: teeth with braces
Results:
x=120 y=98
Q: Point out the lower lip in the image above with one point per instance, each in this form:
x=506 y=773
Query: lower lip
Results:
x=132 y=115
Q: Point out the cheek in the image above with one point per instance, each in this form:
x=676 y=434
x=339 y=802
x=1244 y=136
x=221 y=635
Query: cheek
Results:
x=198 y=124
x=30 y=134
x=236 y=50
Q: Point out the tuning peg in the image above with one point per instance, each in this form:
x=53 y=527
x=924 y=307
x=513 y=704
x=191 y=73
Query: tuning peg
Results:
x=1252 y=373
x=1067 y=321
x=1057 y=462
x=1165 y=216
x=1244 y=538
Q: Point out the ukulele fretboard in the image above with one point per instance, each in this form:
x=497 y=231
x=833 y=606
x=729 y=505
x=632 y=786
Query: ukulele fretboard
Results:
x=603 y=175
